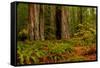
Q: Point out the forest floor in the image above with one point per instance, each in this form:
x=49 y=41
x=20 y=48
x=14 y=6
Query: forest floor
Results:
x=38 y=52
x=89 y=53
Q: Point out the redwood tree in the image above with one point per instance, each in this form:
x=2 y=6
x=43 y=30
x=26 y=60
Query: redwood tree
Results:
x=64 y=23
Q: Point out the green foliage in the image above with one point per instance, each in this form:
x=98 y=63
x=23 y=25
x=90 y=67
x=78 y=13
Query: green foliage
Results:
x=22 y=16
x=61 y=48
x=23 y=35
x=49 y=31
x=49 y=51
x=30 y=53
x=85 y=35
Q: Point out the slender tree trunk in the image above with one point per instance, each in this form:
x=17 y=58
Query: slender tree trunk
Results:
x=58 y=22
x=52 y=21
x=41 y=26
x=36 y=16
x=80 y=15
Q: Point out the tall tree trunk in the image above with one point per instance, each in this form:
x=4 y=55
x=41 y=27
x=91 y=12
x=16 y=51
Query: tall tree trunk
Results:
x=52 y=22
x=58 y=22
x=80 y=15
x=36 y=13
x=31 y=21
x=41 y=26
x=64 y=23
x=34 y=21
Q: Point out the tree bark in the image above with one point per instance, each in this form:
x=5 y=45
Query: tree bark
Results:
x=41 y=26
x=34 y=21
x=36 y=16
x=58 y=22
x=31 y=21
x=64 y=23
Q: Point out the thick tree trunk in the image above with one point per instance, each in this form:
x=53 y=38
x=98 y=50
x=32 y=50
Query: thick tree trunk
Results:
x=34 y=21
x=31 y=21
x=64 y=23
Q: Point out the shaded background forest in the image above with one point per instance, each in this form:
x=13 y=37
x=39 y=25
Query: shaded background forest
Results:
x=55 y=21
x=58 y=26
